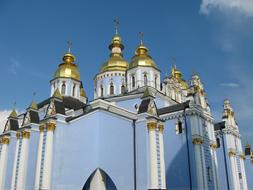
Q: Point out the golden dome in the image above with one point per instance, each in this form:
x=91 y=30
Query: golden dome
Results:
x=178 y=75
x=68 y=68
x=142 y=58
x=116 y=61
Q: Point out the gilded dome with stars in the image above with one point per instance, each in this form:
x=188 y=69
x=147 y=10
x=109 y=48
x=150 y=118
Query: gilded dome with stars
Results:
x=68 y=69
x=116 y=61
x=142 y=58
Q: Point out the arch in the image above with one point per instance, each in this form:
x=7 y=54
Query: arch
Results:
x=111 y=88
x=133 y=81
x=156 y=81
x=145 y=79
x=123 y=89
x=74 y=90
x=109 y=184
x=63 y=88
x=101 y=90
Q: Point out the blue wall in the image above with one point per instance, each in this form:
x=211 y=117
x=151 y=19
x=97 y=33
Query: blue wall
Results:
x=249 y=172
x=32 y=159
x=175 y=150
x=96 y=140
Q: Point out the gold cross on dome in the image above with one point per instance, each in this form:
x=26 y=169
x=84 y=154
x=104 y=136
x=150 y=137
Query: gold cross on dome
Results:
x=69 y=46
x=174 y=61
x=116 y=24
x=34 y=94
x=141 y=36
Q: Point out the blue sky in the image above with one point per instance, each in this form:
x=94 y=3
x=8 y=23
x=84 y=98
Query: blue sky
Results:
x=210 y=37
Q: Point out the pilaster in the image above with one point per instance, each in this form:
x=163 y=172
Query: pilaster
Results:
x=4 y=142
x=156 y=155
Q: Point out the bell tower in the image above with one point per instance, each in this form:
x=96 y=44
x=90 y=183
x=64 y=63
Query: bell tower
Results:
x=110 y=81
x=67 y=78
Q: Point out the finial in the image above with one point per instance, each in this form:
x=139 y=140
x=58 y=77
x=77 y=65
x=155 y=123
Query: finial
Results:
x=14 y=113
x=116 y=25
x=141 y=36
x=69 y=46
x=14 y=104
x=174 y=61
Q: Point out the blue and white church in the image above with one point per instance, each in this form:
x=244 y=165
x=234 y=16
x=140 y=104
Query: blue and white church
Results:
x=139 y=132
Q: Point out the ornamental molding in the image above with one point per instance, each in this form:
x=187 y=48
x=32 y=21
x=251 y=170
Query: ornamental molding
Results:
x=213 y=146
x=197 y=140
x=50 y=126
x=25 y=134
x=18 y=134
x=242 y=156
x=161 y=128
x=152 y=125
x=232 y=152
x=42 y=127
x=5 y=140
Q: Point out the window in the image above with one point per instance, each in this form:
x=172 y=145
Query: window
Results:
x=111 y=89
x=101 y=90
x=74 y=90
x=133 y=81
x=63 y=88
x=240 y=175
x=122 y=89
x=209 y=173
x=179 y=127
x=145 y=79
x=218 y=142
x=155 y=81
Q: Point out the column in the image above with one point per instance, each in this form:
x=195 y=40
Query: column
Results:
x=4 y=141
x=39 y=157
x=214 y=164
x=197 y=145
x=15 y=165
x=162 y=162
x=46 y=176
x=233 y=164
x=23 y=160
x=153 y=175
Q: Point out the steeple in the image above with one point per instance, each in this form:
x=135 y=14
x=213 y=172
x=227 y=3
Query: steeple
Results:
x=141 y=57
x=66 y=81
x=110 y=80
x=12 y=122
x=13 y=114
x=116 y=61
x=68 y=69
x=57 y=94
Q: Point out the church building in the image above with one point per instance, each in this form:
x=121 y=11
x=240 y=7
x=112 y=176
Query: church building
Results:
x=139 y=132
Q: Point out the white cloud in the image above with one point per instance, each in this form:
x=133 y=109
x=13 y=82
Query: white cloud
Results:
x=14 y=66
x=244 y=7
x=3 y=118
x=230 y=84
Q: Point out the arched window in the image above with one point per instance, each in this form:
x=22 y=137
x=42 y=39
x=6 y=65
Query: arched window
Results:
x=218 y=142
x=179 y=127
x=74 y=90
x=111 y=89
x=145 y=79
x=156 y=81
x=122 y=89
x=101 y=90
x=133 y=81
x=63 y=88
